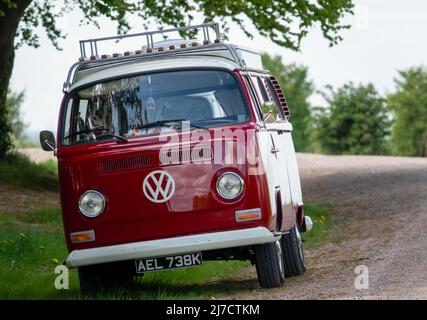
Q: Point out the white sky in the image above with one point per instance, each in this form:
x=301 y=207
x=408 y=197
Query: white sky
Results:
x=387 y=35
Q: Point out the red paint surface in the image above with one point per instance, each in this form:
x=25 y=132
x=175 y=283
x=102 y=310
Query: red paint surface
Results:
x=129 y=216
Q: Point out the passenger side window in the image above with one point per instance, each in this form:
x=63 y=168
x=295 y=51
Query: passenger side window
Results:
x=252 y=94
x=261 y=91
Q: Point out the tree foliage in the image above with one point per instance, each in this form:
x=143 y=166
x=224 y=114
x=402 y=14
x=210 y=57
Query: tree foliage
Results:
x=297 y=88
x=12 y=117
x=356 y=121
x=13 y=104
x=284 y=22
x=409 y=105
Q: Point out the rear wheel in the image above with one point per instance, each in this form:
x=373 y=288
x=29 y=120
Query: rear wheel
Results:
x=293 y=253
x=269 y=264
x=104 y=278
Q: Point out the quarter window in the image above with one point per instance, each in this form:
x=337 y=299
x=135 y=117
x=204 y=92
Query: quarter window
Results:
x=267 y=97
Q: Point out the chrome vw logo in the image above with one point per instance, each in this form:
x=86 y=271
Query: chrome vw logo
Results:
x=158 y=186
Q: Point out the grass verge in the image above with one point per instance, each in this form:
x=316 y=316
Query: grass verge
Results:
x=17 y=170
x=32 y=245
x=323 y=221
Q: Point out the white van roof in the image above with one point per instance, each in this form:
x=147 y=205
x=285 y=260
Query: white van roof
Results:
x=160 y=56
x=212 y=58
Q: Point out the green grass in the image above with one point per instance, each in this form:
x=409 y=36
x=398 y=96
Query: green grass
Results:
x=17 y=170
x=323 y=221
x=32 y=244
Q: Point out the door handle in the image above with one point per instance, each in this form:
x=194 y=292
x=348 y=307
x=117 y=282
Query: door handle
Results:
x=274 y=150
x=278 y=130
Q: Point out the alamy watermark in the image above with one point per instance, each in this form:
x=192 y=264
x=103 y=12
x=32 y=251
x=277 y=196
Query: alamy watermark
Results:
x=62 y=280
x=361 y=282
x=215 y=146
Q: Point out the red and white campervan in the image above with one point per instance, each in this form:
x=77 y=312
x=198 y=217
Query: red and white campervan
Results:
x=175 y=154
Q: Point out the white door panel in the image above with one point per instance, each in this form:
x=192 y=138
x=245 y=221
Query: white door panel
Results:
x=276 y=130
x=294 y=178
x=270 y=165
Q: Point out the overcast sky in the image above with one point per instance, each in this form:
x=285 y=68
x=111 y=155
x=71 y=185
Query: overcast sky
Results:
x=387 y=35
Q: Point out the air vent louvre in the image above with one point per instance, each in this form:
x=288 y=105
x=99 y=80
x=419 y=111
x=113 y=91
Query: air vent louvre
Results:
x=128 y=163
x=280 y=96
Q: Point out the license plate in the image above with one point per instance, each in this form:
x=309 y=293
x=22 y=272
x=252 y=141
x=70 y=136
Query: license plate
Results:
x=168 y=263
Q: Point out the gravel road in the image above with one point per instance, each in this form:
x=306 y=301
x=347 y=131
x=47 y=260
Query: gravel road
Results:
x=37 y=155
x=381 y=211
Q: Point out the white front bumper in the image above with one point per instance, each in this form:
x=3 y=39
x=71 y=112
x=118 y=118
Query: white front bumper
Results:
x=170 y=246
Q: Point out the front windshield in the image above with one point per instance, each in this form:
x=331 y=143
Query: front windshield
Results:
x=124 y=108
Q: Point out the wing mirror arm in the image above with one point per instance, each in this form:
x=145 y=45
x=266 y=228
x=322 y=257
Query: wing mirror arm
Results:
x=50 y=145
x=269 y=113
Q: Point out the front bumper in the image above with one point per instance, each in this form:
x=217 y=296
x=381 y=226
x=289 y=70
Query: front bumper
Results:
x=170 y=246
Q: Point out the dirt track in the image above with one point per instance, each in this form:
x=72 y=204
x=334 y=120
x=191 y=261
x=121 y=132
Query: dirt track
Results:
x=381 y=210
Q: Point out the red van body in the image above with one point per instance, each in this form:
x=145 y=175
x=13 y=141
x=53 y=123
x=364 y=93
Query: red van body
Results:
x=128 y=182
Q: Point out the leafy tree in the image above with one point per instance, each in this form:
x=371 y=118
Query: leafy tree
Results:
x=284 y=22
x=297 y=88
x=13 y=105
x=356 y=121
x=409 y=104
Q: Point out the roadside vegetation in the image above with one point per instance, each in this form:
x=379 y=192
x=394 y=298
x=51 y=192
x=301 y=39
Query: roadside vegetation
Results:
x=32 y=244
x=323 y=222
x=355 y=119
x=18 y=171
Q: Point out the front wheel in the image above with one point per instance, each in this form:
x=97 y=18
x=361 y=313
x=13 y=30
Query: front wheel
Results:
x=293 y=253
x=269 y=264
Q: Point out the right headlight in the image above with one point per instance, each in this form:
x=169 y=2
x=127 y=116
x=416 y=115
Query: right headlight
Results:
x=230 y=185
x=92 y=203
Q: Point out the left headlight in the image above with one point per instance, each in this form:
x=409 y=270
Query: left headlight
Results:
x=230 y=185
x=92 y=203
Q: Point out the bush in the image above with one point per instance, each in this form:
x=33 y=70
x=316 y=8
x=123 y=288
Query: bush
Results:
x=409 y=104
x=355 y=122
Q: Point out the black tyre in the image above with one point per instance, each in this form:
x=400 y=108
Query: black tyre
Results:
x=104 y=278
x=293 y=253
x=269 y=264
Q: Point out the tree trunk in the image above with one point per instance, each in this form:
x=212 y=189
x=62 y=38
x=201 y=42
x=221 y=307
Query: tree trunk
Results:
x=8 y=26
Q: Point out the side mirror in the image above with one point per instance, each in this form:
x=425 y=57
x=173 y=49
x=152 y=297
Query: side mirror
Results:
x=268 y=113
x=47 y=141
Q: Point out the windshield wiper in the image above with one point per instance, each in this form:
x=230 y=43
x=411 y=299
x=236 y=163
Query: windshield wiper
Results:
x=124 y=139
x=95 y=131
x=168 y=123
x=159 y=123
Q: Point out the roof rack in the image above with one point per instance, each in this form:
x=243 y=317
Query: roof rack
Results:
x=150 y=52
x=92 y=44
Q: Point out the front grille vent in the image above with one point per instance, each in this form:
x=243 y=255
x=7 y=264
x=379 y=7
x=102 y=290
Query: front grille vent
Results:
x=127 y=163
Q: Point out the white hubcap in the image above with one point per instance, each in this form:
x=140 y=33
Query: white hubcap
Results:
x=299 y=242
